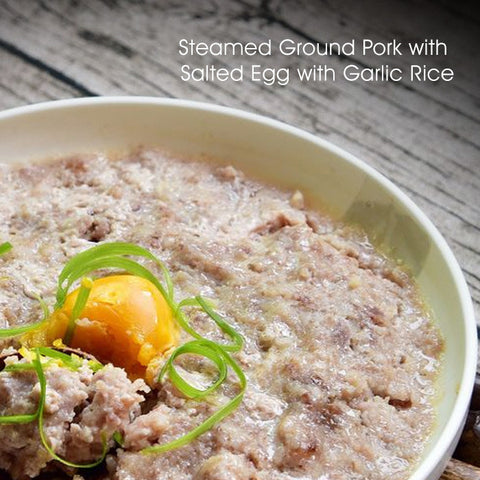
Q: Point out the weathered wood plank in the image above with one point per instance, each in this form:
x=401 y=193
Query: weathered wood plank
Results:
x=22 y=83
x=399 y=20
x=428 y=150
x=457 y=470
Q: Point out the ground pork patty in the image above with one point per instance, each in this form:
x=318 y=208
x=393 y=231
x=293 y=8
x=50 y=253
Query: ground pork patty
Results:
x=79 y=407
x=340 y=355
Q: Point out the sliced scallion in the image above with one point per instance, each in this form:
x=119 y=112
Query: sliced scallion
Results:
x=41 y=407
x=219 y=415
x=111 y=255
x=224 y=326
x=5 y=247
x=204 y=349
x=73 y=362
x=27 y=418
x=85 y=287
x=114 y=256
x=199 y=301
x=14 y=331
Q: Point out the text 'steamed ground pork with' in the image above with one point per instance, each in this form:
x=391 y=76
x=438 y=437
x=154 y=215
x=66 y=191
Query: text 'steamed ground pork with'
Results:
x=339 y=355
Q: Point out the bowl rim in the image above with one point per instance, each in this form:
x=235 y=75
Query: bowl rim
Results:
x=436 y=456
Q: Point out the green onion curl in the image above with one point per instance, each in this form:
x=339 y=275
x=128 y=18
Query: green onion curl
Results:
x=41 y=407
x=111 y=255
x=36 y=364
x=70 y=360
x=19 y=367
x=117 y=437
x=14 y=331
x=204 y=349
x=199 y=301
x=115 y=256
x=213 y=349
x=85 y=287
x=29 y=417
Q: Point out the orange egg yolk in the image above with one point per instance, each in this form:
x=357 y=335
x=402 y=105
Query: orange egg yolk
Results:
x=126 y=321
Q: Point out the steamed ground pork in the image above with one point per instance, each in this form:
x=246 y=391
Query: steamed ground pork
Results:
x=340 y=355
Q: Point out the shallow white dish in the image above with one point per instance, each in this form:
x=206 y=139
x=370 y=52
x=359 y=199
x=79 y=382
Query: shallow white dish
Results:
x=286 y=156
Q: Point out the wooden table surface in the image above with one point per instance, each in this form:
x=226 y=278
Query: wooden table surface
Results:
x=425 y=136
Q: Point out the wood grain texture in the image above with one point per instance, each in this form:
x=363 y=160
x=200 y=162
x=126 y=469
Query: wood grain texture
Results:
x=424 y=137
x=457 y=470
x=22 y=83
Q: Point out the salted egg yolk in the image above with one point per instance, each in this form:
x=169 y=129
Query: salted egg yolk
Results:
x=126 y=321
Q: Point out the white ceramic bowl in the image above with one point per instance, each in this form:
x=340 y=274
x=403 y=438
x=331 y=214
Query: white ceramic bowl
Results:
x=287 y=156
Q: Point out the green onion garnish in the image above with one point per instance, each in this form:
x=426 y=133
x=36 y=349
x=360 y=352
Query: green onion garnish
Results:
x=19 y=367
x=237 y=344
x=41 y=406
x=36 y=364
x=204 y=349
x=111 y=255
x=80 y=302
x=115 y=256
x=26 y=418
x=199 y=301
x=73 y=362
x=203 y=346
x=14 y=331
x=5 y=247
x=118 y=438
